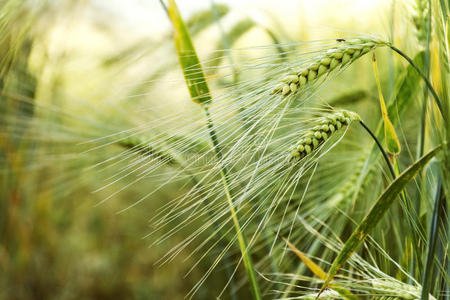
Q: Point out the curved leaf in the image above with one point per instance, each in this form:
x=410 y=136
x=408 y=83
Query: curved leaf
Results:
x=375 y=214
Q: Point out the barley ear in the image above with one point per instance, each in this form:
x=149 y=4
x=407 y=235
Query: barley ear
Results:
x=311 y=140
x=346 y=53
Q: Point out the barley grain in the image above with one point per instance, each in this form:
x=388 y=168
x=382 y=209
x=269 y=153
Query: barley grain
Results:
x=323 y=64
x=314 y=138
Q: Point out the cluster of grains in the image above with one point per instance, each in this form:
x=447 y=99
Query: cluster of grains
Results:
x=327 y=126
x=340 y=56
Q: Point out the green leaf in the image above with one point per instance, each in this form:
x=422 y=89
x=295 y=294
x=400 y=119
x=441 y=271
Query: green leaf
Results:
x=199 y=90
x=315 y=269
x=437 y=224
x=392 y=143
x=390 y=136
x=349 y=98
x=192 y=69
x=406 y=89
x=376 y=213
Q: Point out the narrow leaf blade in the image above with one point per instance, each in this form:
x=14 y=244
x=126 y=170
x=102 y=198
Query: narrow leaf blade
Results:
x=406 y=89
x=321 y=274
x=375 y=214
x=192 y=69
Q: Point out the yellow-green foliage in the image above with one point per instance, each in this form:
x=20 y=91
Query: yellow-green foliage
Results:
x=115 y=185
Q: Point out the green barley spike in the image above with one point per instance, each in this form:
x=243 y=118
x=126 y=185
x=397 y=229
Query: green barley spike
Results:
x=345 y=53
x=314 y=138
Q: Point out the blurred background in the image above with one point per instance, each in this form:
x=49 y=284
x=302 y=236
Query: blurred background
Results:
x=78 y=71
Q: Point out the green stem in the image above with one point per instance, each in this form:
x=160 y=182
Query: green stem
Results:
x=385 y=156
x=164 y=6
x=151 y=152
x=434 y=230
x=394 y=172
x=415 y=257
x=431 y=249
x=425 y=78
x=224 y=176
x=199 y=91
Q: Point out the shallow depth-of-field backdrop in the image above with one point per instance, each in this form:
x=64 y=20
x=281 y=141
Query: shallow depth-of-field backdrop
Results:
x=233 y=150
